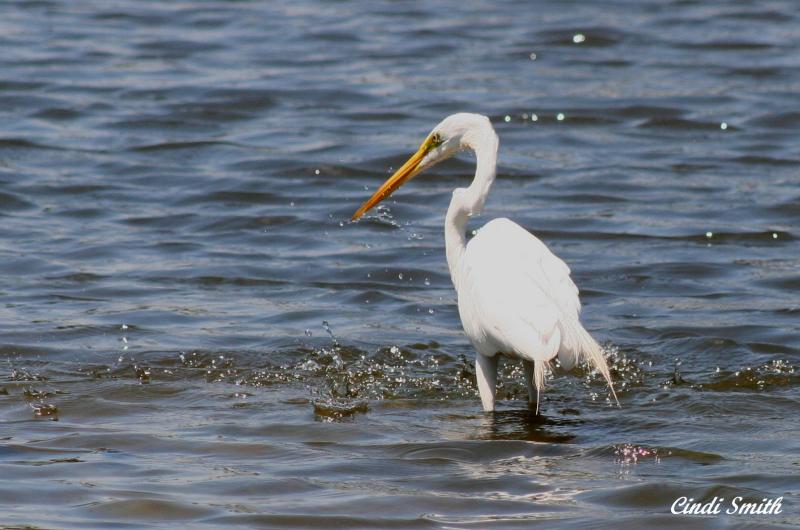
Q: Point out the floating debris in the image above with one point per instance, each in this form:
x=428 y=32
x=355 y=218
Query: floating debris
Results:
x=142 y=373
x=43 y=409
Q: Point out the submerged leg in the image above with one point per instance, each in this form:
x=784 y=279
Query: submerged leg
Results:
x=486 y=373
x=533 y=395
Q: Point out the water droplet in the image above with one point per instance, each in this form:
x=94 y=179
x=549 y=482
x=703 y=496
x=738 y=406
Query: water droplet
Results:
x=400 y=276
x=430 y=311
x=327 y=327
x=124 y=326
x=723 y=125
x=308 y=333
x=774 y=235
x=427 y=281
x=560 y=116
x=291 y=203
x=709 y=234
x=524 y=115
x=534 y=117
x=578 y=38
x=316 y=171
x=533 y=56
x=507 y=118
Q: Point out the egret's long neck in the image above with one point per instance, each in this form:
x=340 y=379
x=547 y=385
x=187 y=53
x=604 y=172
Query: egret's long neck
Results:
x=469 y=201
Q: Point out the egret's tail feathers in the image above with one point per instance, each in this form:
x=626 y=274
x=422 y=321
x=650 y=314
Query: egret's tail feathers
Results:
x=593 y=354
x=539 y=372
x=569 y=352
x=568 y=355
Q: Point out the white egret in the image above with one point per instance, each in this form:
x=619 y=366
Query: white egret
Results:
x=515 y=297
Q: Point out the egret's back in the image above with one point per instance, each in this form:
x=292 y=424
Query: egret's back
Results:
x=517 y=298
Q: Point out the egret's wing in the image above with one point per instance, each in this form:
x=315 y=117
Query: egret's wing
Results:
x=500 y=304
x=519 y=295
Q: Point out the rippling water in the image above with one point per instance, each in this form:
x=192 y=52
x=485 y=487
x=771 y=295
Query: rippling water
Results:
x=193 y=335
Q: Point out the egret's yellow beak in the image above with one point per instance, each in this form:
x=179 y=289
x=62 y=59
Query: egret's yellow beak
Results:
x=409 y=170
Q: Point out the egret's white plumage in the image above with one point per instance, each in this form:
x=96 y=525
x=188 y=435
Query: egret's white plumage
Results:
x=515 y=297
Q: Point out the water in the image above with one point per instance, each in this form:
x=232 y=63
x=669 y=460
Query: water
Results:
x=193 y=335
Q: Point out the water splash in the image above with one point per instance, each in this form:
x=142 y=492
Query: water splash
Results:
x=327 y=327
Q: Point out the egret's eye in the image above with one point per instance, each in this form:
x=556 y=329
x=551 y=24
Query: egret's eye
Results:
x=436 y=140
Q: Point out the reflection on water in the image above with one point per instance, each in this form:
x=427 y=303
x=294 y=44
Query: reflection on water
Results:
x=526 y=425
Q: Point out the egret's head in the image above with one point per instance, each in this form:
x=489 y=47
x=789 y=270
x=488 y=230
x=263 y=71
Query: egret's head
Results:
x=454 y=133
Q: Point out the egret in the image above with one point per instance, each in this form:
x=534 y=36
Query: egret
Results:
x=515 y=297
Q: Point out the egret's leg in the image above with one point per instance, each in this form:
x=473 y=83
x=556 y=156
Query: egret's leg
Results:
x=529 y=371
x=486 y=373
